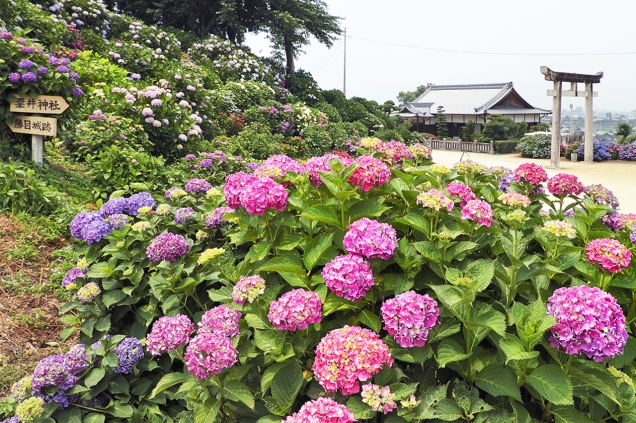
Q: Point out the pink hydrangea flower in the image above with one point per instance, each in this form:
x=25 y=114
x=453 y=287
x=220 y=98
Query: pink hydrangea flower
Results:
x=209 y=353
x=564 y=184
x=379 y=398
x=370 y=239
x=221 y=319
x=463 y=192
x=514 y=199
x=409 y=317
x=479 y=211
x=169 y=333
x=321 y=410
x=347 y=356
x=234 y=184
x=530 y=172
x=247 y=289
x=348 y=276
x=316 y=164
x=589 y=321
x=294 y=310
x=256 y=194
x=394 y=150
x=435 y=199
x=371 y=173
x=420 y=151
x=609 y=254
x=625 y=220
x=279 y=165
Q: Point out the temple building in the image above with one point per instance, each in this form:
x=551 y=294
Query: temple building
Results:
x=463 y=103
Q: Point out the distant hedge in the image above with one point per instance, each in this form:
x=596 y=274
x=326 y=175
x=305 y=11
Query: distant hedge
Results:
x=506 y=146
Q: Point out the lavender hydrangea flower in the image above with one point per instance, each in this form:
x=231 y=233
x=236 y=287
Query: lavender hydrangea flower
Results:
x=82 y=219
x=76 y=92
x=183 y=215
x=71 y=277
x=77 y=359
x=53 y=372
x=222 y=319
x=117 y=221
x=29 y=77
x=169 y=333
x=95 y=231
x=42 y=70
x=588 y=321
x=167 y=246
x=61 y=69
x=205 y=164
x=215 y=217
x=25 y=64
x=198 y=186
x=129 y=352
x=139 y=200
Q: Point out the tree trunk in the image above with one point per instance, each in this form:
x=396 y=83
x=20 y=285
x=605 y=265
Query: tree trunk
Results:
x=289 y=54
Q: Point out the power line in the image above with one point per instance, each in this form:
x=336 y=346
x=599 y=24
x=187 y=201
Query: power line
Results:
x=491 y=52
x=329 y=58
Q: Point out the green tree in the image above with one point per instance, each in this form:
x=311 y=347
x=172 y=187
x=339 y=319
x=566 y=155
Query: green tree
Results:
x=499 y=128
x=440 y=122
x=522 y=128
x=624 y=130
x=388 y=106
x=468 y=131
x=407 y=96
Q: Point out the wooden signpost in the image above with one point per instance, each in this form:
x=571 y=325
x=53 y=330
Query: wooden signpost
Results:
x=36 y=125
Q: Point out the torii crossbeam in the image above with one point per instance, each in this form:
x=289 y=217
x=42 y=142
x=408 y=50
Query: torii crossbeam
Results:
x=557 y=93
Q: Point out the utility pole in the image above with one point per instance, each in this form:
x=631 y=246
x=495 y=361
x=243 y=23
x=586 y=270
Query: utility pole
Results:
x=571 y=123
x=344 y=81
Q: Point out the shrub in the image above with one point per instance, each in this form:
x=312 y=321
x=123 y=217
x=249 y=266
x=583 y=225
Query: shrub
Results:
x=627 y=152
x=506 y=146
x=536 y=146
x=22 y=190
x=499 y=128
x=602 y=150
x=258 y=142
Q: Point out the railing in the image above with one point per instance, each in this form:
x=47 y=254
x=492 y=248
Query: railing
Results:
x=470 y=146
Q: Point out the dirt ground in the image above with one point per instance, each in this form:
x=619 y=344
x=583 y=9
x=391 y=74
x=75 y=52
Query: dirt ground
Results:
x=29 y=307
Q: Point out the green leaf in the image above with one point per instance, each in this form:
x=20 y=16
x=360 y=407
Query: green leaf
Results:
x=123 y=411
x=430 y=399
x=498 y=381
x=100 y=271
x=515 y=350
x=597 y=379
x=257 y=322
x=269 y=341
x=628 y=356
x=94 y=418
x=429 y=250
x=118 y=385
x=206 y=412
x=448 y=411
x=316 y=249
x=238 y=391
x=460 y=249
x=416 y=221
x=450 y=351
x=94 y=377
x=570 y=415
x=551 y=382
x=366 y=208
x=282 y=264
x=287 y=384
x=269 y=374
x=322 y=213
x=371 y=320
x=489 y=318
x=335 y=303
x=360 y=410
x=481 y=272
x=167 y=381
x=110 y=298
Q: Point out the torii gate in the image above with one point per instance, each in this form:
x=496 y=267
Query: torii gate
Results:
x=557 y=92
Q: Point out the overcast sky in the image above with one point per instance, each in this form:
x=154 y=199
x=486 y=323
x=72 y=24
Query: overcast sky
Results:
x=391 y=47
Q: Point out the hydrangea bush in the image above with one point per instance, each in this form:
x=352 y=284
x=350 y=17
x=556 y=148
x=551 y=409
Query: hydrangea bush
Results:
x=287 y=298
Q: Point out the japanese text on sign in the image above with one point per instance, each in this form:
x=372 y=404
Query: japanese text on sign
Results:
x=35 y=125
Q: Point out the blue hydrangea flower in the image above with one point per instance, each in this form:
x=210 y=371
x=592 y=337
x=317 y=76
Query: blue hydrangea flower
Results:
x=95 y=231
x=114 y=206
x=129 y=352
x=139 y=200
x=81 y=220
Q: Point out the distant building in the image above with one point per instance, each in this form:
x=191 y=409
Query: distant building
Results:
x=462 y=103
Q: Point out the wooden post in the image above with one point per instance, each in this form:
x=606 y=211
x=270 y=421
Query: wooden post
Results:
x=555 y=155
x=589 y=124
x=37 y=148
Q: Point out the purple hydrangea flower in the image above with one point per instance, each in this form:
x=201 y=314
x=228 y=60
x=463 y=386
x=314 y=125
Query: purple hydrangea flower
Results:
x=29 y=77
x=198 y=186
x=95 y=231
x=189 y=157
x=42 y=70
x=28 y=50
x=6 y=35
x=77 y=359
x=117 y=221
x=15 y=77
x=55 y=371
x=370 y=239
x=408 y=317
x=169 y=333
x=114 y=206
x=61 y=69
x=139 y=200
x=205 y=163
x=222 y=319
x=76 y=92
x=129 y=352
x=73 y=75
x=215 y=217
x=81 y=220
x=588 y=321
x=71 y=276
x=183 y=215
x=167 y=246
x=25 y=64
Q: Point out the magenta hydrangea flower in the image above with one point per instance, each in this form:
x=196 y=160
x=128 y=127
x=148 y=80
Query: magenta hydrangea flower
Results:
x=609 y=254
x=565 y=184
x=479 y=211
x=323 y=409
x=167 y=246
x=514 y=199
x=209 y=353
x=317 y=164
x=435 y=199
x=261 y=194
x=530 y=172
x=294 y=310
x=589 y=321
x=169 y=333
x=371 y=172
x=222 y=319
x=348 y=276
x=370 y=239
x=247 y=289
x=198 y=186
x=409 y=317
x=347 y=356
x=394 y=150
x=215 y=217
x=234 y=185
x=463 y=192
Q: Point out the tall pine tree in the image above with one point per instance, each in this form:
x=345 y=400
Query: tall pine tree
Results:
x=440 y=122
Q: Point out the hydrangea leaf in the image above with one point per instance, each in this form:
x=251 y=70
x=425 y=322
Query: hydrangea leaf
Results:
x=551 y=382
